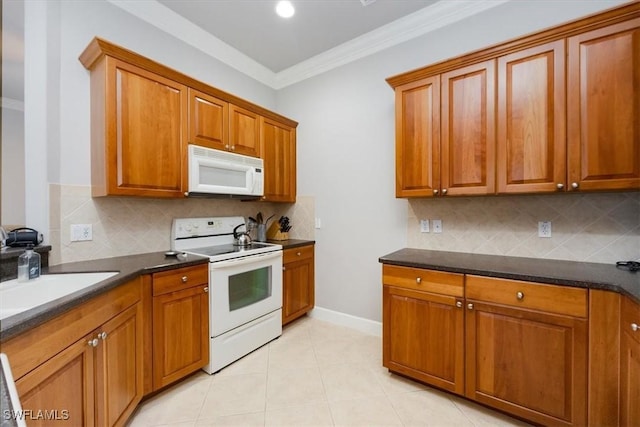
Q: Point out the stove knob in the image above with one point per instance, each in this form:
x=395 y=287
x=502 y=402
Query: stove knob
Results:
x=188 y=227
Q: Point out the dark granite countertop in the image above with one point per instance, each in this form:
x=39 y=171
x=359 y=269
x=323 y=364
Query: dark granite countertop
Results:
x=9 y=253
x=292 y=243
x=567 y=273
x=128 y=267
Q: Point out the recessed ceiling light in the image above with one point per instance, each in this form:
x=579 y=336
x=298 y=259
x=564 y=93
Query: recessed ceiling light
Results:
x=285 y=9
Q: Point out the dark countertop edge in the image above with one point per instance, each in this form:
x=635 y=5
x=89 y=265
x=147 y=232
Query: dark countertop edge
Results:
x=535 y=270
x=292 y=243
x=15 y=252
x=128 y=268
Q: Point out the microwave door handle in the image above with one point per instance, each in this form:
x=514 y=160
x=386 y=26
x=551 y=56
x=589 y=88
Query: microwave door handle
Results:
x=245 y=260
x=253 y=180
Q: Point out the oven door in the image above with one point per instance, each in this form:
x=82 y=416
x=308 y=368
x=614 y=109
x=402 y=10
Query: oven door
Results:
x=243 y=289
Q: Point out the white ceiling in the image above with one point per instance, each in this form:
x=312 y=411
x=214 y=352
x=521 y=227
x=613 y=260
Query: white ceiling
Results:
x=253 y=27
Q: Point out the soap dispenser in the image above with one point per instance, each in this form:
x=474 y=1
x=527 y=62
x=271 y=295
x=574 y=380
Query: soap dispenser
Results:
x=28 y=265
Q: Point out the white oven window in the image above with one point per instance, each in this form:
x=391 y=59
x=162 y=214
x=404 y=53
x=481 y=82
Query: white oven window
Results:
x=222 y=176
x=249 y=287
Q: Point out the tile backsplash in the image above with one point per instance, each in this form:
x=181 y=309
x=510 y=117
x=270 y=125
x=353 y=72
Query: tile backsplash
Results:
x=601 y=228
x=130 y=225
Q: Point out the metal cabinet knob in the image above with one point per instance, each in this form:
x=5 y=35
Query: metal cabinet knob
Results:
x=184 y=279
x=102 y=336
x=226 y=146
x=470 y=306
x=520 y=295
x=444 y=191
x=459 y=304
x=284 y=268
x=186 y=194
x=575 y=185
x=233 y=148
x=635 y=327
x=560 y=186
x=435 y=191
x=93 y=342
x=206 y=289
x=418 y=280
x=298 y=254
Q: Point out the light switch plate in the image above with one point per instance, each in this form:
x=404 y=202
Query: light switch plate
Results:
x=424 y=225
x=437 y=225
x=544 y=228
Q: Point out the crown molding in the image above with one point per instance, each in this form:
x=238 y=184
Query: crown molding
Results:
x=12 y=104
x=438 y=15
x=172 y=23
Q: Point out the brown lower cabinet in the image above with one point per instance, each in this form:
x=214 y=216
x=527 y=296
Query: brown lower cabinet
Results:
x=180 y=323
x=88 y=366
x=516 y=346
x=298 y=288
x=629 y=363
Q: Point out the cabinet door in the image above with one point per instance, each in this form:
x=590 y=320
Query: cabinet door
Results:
x=279 y=155
x=630 y=364
x=298 y=290
x=423 y=337
x=527 y=363
x=418 y=138
x=468 y=130
x=604 y=108
x=208 y=121
x=180 y=334
x=146 y=135
x=531 y=120
x=119 y=367
x=60 y=392
x=244 y=131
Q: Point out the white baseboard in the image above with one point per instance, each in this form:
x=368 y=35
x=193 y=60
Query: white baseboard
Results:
x=361 y=324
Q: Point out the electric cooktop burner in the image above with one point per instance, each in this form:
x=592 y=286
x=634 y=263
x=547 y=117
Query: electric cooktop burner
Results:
x=228 y=249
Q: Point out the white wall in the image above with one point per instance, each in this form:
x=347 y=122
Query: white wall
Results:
x=346 y=147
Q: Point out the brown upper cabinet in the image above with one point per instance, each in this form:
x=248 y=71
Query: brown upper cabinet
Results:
x=279 y=154
x=208 y=121
x=531 y=120
x=554 y=111
x=418 y=138
x=604 y=108
x=144 y=115
x=468 y=130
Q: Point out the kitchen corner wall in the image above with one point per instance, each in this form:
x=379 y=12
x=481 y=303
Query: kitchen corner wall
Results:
x=126 y=226
x=601 y=228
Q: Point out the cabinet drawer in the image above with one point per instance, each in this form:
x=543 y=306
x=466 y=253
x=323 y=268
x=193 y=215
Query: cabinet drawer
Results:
x=297 y=254
x=182 y=278
x=424 y=280
x=535 y=296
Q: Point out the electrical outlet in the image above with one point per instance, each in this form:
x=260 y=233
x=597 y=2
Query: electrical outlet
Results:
x=544 y=228
x=437 y=225
x=81 y=232
x=424 y=225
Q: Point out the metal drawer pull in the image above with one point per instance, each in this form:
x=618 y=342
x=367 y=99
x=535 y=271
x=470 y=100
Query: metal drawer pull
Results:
x=418 y=280
x=444 y=191
x=560 y=186
x=520 y=295
x=206 y=289
x=635 y=327
x=435 y=191
x=102 y=335
x=470 y=306
x=184 y=279
x=574 y=185
x=459 y=304
x=93 y=342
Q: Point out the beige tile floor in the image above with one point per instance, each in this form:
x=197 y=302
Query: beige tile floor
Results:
x=315 y=374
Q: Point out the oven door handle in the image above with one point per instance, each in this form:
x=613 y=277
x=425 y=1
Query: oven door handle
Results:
x=245 y=260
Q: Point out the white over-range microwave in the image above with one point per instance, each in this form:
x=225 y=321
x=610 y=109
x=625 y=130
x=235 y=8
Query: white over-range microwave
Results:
x=216 y=172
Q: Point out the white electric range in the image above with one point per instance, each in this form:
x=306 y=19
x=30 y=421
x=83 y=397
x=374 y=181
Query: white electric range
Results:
x=245 y=286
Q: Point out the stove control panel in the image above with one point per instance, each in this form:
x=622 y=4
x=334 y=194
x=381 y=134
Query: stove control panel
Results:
x=183 y=228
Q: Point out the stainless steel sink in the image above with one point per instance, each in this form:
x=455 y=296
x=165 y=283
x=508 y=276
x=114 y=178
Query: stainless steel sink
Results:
x=16 y=297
